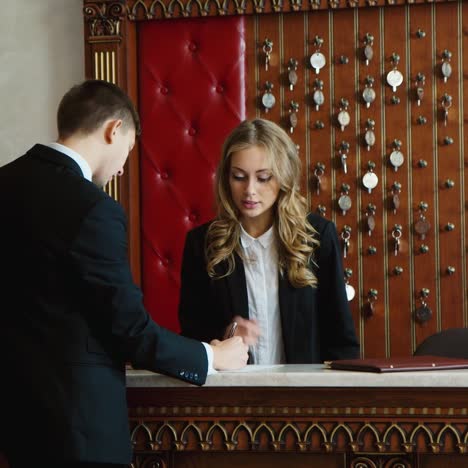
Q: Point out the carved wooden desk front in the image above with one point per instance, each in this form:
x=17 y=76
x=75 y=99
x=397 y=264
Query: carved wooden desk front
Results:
x=298 y=416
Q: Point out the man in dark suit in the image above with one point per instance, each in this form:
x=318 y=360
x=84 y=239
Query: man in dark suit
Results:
x=71 y=315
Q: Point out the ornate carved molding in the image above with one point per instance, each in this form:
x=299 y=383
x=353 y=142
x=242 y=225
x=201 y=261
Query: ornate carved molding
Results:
x=312 y=436
x=378 y=462
x=104 y=17
x=152 y=9
x=259 y=411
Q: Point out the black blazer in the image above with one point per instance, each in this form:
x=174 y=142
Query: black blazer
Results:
x=316 y=322
x=71 y=317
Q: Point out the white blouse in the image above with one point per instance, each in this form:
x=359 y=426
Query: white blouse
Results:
x=261 y=274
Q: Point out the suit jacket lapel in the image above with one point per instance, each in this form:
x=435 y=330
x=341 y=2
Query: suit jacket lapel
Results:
x=237 y=286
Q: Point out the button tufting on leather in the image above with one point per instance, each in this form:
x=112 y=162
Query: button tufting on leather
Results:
x=175 y=159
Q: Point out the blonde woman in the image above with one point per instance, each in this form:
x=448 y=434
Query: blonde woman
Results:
x=263 y=263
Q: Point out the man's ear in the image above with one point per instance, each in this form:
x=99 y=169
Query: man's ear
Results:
x=110 y=129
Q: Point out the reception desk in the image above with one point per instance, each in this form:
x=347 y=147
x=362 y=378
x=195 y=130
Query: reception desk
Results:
x=300 y=416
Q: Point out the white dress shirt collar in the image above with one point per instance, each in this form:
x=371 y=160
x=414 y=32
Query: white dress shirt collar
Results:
x=84 y=166
x=265 y=240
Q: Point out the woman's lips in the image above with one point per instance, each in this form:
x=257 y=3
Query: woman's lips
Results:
x=249 y=204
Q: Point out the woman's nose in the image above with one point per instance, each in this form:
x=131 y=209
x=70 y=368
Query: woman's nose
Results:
x=250 y=187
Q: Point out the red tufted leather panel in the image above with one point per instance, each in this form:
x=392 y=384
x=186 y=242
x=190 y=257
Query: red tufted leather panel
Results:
x=192 y=93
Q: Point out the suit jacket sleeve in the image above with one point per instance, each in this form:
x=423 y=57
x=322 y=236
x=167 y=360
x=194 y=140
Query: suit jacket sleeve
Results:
x=197 y=315
x=337 y=335
x=116 y=313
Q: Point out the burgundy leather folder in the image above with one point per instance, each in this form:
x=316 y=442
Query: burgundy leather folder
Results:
x=398 y=364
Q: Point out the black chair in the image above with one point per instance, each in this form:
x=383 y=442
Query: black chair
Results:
x=447 y=343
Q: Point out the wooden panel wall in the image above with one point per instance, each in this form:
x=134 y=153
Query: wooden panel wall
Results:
x=431 y=177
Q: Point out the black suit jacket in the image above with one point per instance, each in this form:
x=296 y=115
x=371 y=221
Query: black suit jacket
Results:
x=71 y=316
x=316 y=322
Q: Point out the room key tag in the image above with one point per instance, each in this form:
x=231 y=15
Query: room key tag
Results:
x=370 y=224
x=423 y=314
x=446 y=71
x=446 y=67
x=419 y=94
x=370 y=180
x=422 y=226
x=396 y=159
x=292 y=73
x=319 y=98
x=350 y=292
x=368 y=51
x=369 y=138
x=268 y=99
x=345 y=203
x=368 y=94
x=395 y=77
x=318 y=61
x=370 y=215
x=343 y=117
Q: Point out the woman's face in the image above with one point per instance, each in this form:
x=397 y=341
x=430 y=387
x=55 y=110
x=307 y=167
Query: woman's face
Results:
x=254 y=188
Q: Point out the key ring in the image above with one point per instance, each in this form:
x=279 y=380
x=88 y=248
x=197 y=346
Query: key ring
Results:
x=318 y=172
x=396 y=233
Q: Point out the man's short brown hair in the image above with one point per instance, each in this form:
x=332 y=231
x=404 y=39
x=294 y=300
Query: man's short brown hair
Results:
x=86 y=106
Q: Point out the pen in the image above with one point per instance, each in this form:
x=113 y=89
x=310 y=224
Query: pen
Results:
x=232 y=330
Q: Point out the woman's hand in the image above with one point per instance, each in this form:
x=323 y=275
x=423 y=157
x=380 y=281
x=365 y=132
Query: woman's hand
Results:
x=248 y=330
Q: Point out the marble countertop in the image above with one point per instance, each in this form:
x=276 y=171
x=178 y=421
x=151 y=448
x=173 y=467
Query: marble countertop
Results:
x=307 y=375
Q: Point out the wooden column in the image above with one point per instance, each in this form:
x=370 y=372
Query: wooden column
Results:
x=110 y=55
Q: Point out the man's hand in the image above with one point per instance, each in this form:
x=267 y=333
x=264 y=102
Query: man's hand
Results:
x=248 y=330
x=229 y=354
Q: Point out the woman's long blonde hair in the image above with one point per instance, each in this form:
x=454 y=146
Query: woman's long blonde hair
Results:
x=294 y=234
